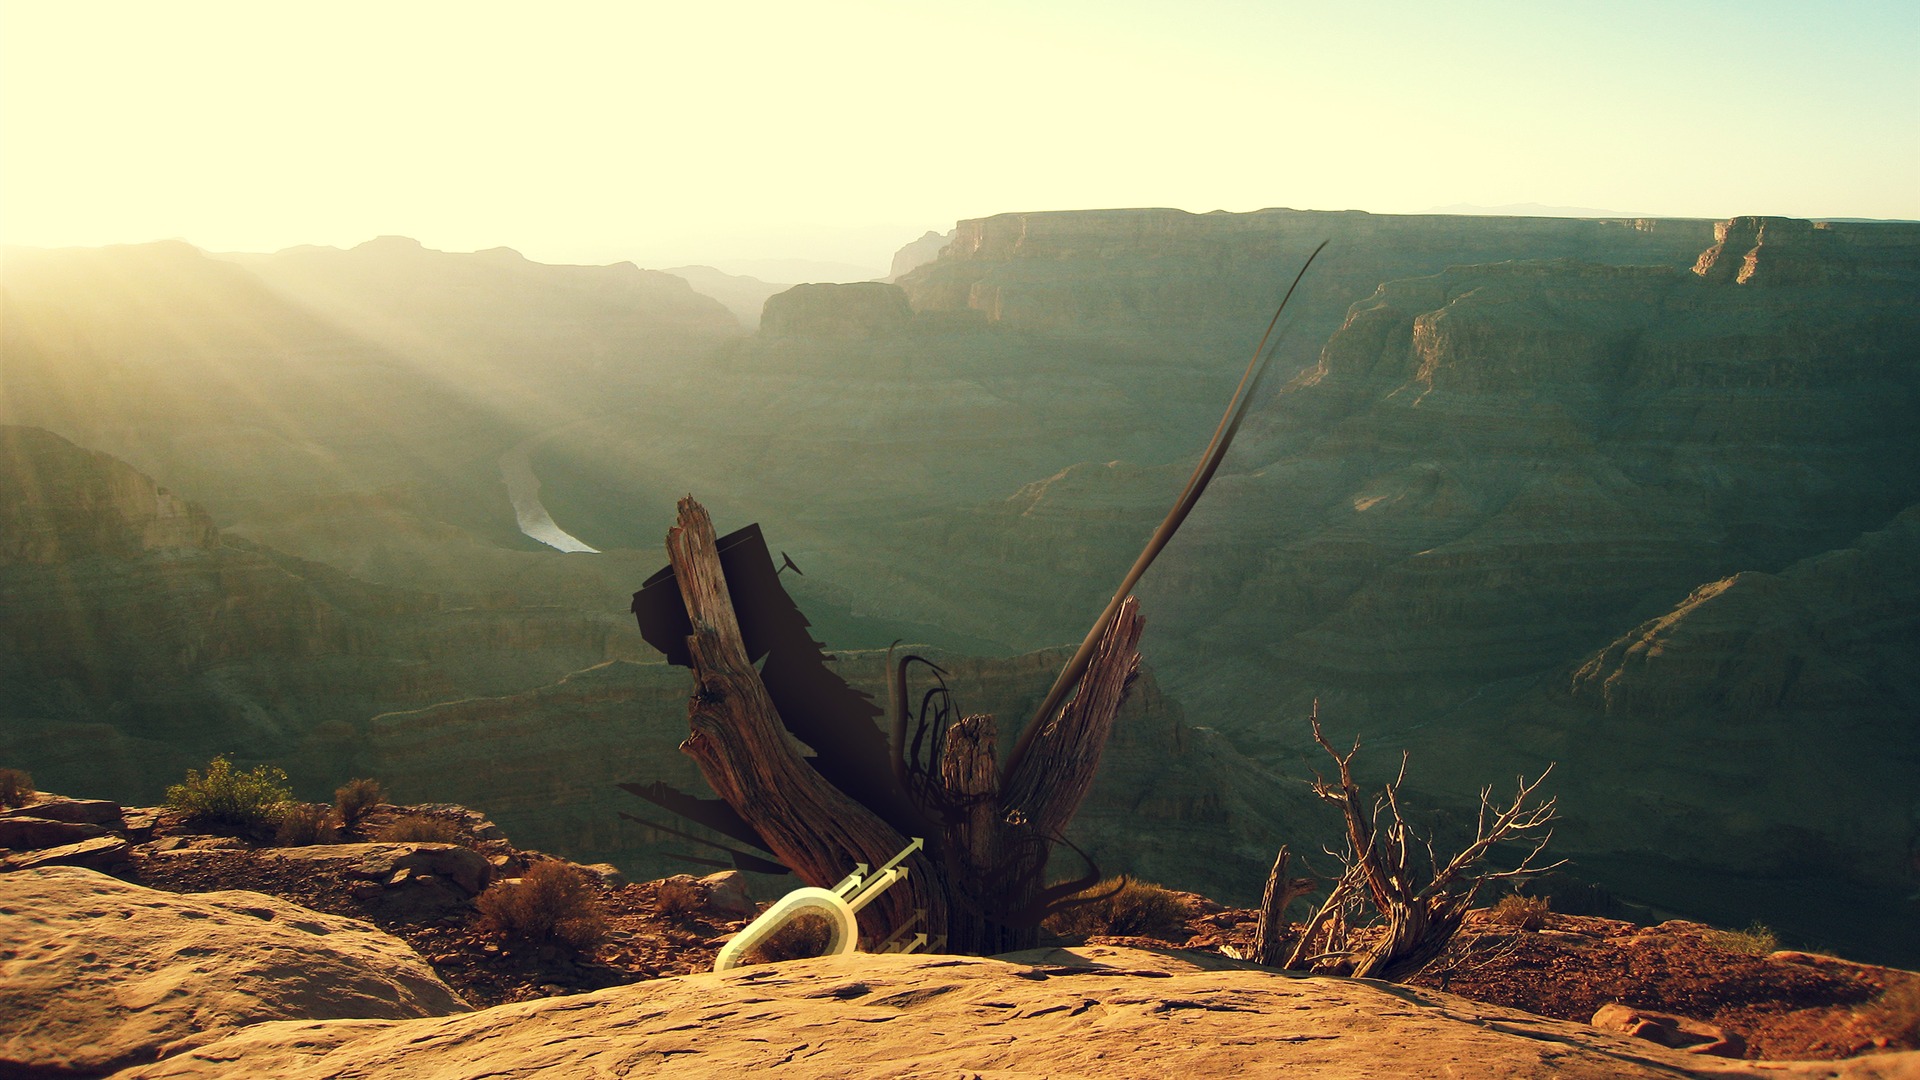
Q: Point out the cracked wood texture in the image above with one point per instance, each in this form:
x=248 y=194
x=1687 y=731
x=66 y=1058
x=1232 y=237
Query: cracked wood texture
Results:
x=749 y=760
x=988 y=863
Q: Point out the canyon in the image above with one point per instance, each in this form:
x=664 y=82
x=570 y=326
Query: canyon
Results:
x=1636 y=497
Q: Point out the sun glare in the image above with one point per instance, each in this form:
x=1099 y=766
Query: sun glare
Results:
x=596 y=132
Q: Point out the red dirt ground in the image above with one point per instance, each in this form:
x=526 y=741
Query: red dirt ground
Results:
x=1784 y=1005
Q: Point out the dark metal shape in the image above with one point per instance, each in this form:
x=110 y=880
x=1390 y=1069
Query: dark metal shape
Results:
x=839 y=723
x=715 y=814
x=742 y=860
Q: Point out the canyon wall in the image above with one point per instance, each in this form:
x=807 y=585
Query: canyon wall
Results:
x=137 y=641
x=1632 y=496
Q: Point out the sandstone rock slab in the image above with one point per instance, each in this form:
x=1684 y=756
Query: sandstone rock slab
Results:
x=97 y=853
x=101 y=812
x=99 y=973
x=31 y=833
x=1065 y=1014
x=394 y=863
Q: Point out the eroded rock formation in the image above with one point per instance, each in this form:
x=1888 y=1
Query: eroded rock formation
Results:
x=101 y=974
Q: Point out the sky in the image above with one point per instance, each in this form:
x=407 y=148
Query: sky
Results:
x=722 y=132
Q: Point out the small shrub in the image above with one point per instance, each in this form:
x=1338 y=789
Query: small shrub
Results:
x=248 y=799
x=678 y=896
x=353 y=799
x=806 y=936
x=1136 y=909
x=16 y=788
x=1521 y=912
x=1757 y=940
x=419 y=828
x=306 y=823
x=552 y=901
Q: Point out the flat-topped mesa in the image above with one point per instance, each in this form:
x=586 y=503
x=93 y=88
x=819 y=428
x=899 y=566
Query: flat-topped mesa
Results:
x=1203 y=282
x=1781 y=251
x=60 y=502
x=1735 y=257
x=861 y=309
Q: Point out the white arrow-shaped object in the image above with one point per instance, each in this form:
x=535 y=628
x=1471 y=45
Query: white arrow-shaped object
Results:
x=916 y=845
x=885 y=878
x=851 y=881
x=892 y=944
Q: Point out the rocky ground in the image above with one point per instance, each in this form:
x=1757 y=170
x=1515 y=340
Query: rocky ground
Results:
x=1681 y=985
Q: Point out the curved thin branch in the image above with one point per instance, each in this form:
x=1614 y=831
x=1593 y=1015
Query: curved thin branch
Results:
x=1196 y=485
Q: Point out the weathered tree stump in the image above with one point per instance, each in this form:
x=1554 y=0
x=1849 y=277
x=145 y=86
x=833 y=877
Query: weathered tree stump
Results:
x=977 y=885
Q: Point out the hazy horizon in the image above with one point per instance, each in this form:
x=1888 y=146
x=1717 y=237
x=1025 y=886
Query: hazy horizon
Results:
x=603 y=133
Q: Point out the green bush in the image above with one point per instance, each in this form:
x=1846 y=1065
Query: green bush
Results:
x=353 y=799
x=551 y=902
x=306 y=823
x=250 y=799
x=1134 y=909
x=421 y=829
x=1521 y=912
x=1757 y=939
x=16 y=788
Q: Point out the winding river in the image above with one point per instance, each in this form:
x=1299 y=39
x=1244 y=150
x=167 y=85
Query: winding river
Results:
x=523 y=487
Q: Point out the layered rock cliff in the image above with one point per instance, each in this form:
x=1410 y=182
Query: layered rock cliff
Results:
x=136 y=641
x=1490 y=474
x=1491 y=450
x=59 y=503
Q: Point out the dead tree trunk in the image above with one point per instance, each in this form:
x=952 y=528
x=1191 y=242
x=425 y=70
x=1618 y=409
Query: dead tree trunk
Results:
x=752 y=763
x=999 y=844
x=978 y=883
x=1270 y=932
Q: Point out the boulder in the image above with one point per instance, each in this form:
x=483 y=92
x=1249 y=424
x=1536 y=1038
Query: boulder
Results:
x=1666 y=1029
x=606 y=873
x=727 y=892
x=101 y=974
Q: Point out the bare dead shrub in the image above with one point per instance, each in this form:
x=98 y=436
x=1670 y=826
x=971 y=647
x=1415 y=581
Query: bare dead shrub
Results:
x=1758 y=939
x=306 y=823
x=551 y=902
x=1123 y=907
x=16 y=787
x=419 y=829
x=353 y=799
x=678 y=896
x=806 y=936
x=1415 y=908
x=1521 y=912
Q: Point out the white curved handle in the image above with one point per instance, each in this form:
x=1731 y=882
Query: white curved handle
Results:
x=804 y=901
